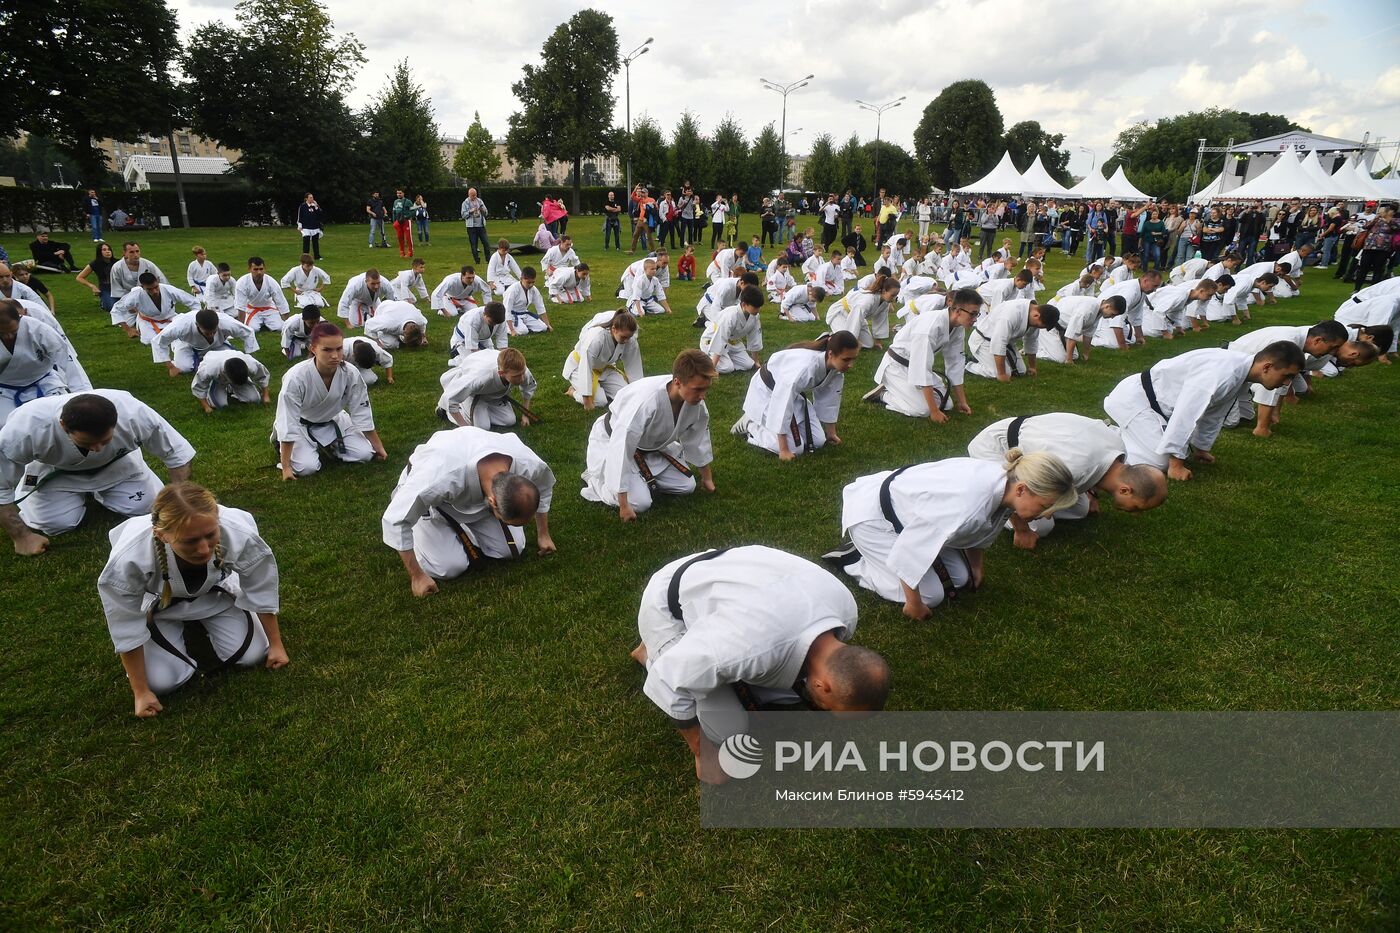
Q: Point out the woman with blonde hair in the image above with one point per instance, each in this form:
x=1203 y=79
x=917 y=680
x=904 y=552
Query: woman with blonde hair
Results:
x=190 y=561
x=917 y=533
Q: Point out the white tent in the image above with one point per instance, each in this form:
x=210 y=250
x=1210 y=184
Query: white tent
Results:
x=1367 y=188
x=1286 y=178
x=1125 y=189
x=1004 y=179
x=1039 y=183
x=1210 y=191
x=1340 y=185
x=1095 y=186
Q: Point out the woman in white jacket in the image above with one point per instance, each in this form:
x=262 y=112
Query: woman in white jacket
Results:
x=606 y=358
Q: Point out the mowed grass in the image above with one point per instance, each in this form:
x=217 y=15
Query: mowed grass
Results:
x=485 y=759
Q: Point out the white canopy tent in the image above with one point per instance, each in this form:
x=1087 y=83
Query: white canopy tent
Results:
x=1039 y=183
x=1286 y=178
x=1368 y=188
x=1210 y=192
x=1004 y=179
x=1095 y=186
x=1126 y=190
x=1334 y=186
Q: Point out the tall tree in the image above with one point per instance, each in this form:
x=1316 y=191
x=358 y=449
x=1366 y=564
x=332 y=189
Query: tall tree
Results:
x=767 y=164
x=80 y=71
x=402 y=147
x=857 y=170
x=690 y=153
x=959 y=138
x=275 y=89
x=476 y=161
x=1171 y=142
x=1026 y=140
x=900 y=172
x=651 y=160
x=730 y=153
x=823 y=173
x=566 y=103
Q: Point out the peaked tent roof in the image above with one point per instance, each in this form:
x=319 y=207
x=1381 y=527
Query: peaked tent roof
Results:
x=1367 y=188
x=1094 y=185
x=1040 y=183
x=1004 y=179
x=1286 y=178
x=1336 y=186
x=1210 y=191
x=1125 y=189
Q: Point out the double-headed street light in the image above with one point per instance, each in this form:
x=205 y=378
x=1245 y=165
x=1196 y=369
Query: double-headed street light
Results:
x=627 y=61
x=879 y=111
x=785 y=90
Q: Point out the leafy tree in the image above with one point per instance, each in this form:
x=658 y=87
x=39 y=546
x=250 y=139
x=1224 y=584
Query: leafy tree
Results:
x=275 y=89
x=1171 y=142
x=476 y=161
x=823 y=174
x=1026 y=140
x=690 y=154
x=856 y=167
x=33 y=163
x=730 y=155
x=959 y=138
x=402 y=146
x=82 y=70
x=567 y=102
x=649 y=154
x=900 y=172
x=768 y=166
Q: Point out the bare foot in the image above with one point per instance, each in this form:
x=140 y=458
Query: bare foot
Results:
x=639 y=654
x=1262 y=431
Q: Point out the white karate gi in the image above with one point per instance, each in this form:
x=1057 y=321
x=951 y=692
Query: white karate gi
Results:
x=306 y=286
x=998 y=290
x=996 y=334
x=382 y=358
x=296 y=338
x=441 y=486
x=810 y=265
x=797 y=305
x=358 y=303
x=567 y=287
x=599 y=366
x=386 y=327
x=475 y=390
x=1295 y=270
x=1164 y=309
x=122 y=278
x=645 y=294
x=68 y=366
x=1133 y=296
x=907 y=366
x=779 y=283
x=261 y=306
x=211 y=384
x=1195 y=392
x=405 y=285
x=184 y=345
x=830 y=278
x=197 y=273
x=1191 y=269
x=311 y=416
x=1385 y=287
x=724 y=265
x=1079 y=317
x=473 y=332
x=862 y=313
x=748 y=616
x=139 y=310
x=1087 y=446
x=849 y=270
x=451 y=298
x=1380 y=309
x=1214 y=272
x=1073 y=289
x=717 y=297
x=502 y=272
x=21 y=292
x=524 y=309
x=733 y=336
x=556 y=258
x=638 y=269
x=784 y=407
x=51 y=477
x=944 y=507
x=221 y=294
x=640 y=422
x=1253 y=393
x=32 y=369
x=235 y=590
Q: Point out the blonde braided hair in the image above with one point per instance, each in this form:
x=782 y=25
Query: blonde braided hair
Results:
x=173 y=507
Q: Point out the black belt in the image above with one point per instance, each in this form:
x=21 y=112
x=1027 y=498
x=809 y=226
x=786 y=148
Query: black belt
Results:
x=339 y=444
x=41 y=480
x=1013 y=431
x=978 y=332
x=224 y=664
x=898 y=358
x=1151 y=393
x=887 y=503
x=474 y=555
x=1357 y=300
x=767 y=377
x=673 y=592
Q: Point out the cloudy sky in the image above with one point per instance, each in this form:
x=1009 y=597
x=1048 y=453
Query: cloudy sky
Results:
x=1087 y=74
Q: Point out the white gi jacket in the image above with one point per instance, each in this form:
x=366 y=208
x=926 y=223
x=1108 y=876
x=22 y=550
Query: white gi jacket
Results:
x=478 y=376
x=639 y=420
x=733 y=328
x=927 y=334
x=596 y=350
x=795 y=373
x=303 y=399
x=1087 y=446
x=211 y=372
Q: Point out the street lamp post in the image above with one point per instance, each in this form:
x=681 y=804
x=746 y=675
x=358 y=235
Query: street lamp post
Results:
x=632 y=56
x=787 y=136
x=879 y=111
x=1093 y=158
x=784 y=90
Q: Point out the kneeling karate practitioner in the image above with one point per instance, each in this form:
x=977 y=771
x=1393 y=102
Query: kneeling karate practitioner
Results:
x=570 y=284
x=459 y=293
x=193 y=334
x=905 y=380
x=734 y=338
x=190 y=560
x=364 y=354
x=748 y=628
x=525 y=306
x=67 y=363
x=800 y=303
x=502 y=270
x=794 y=401
x=227 y=375
x=57 y=451
x=150 y=307
x=464 y=496
x=30 y=355
x=1091 y=450
x=645 y=293
x=323 y=406
x=258 y=298
x=397 y=323
x=1127 y=331
x=296 y=331
x=361 y=298
x=992 y=345
x=478 y=392
x=1170 y=306
x=479 y=329
x=1181 y=402
x=865 y=311
x=408 y=284
x=606 y=358
x=307 y=282
x=1079 y=319
x=653 y=429
x=1377 y=310
x=1319 y=343
x=918 y=533
x=721 y=295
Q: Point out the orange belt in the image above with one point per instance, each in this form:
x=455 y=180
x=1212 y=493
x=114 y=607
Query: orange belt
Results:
x=255 y=310
x=156 y=325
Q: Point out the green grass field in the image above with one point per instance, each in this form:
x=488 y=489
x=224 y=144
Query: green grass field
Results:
x=484 y=758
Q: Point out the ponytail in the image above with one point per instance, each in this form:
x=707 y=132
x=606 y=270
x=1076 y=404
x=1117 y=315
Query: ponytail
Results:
x=839 y=342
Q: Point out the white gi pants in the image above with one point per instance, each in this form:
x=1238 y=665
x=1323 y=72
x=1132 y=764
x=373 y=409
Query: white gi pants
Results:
x=246 y=393
x=227 y=629
x=906 y=398
x=57 y=507
x=669 y=481
x=528 y=324
x=982 y=362
x=652 y=306
x=306 y=458
x=875 y=539
x=1140 y=427
x=267 y=319
x=607 y=382
x=184 y=357
x=732 y=360
x=149 y=330
x=12 y=397
x=1051 y=347
x=441 y=554
x=488 y=413
x=797 y=436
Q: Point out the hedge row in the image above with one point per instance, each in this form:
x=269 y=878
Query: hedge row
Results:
x=240 y=205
